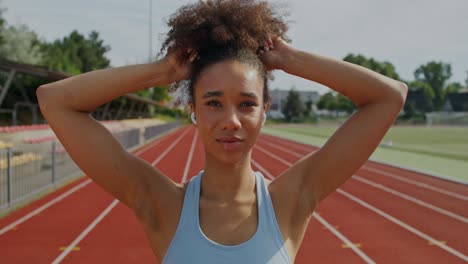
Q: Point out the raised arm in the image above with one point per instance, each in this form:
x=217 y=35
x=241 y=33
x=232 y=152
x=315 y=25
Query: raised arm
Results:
x=379 y=100
x=67 y=104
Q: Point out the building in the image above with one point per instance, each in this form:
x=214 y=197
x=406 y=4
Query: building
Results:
x=456 y=102
x=419 y=100
x=279 y=96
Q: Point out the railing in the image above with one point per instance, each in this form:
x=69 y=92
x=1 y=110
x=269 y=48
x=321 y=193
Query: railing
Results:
x=28 y=169
x=447 y=118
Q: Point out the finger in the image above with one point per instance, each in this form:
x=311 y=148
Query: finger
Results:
x=269 y=45
x=275 y=39
x=269 y=37
x=193 y=56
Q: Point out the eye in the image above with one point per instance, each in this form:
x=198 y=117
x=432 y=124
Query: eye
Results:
x=248 y=104
x=213 y=103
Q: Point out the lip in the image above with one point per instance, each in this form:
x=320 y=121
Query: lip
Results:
x=229 y=139
x=230 y=143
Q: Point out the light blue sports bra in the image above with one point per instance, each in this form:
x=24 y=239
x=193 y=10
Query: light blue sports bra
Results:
x=190 y=245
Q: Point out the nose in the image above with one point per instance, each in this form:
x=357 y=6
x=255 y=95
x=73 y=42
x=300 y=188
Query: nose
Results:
x=231 y=120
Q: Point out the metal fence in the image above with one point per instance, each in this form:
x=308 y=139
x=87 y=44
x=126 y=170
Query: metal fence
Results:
x=28 y=169
x=447 y=119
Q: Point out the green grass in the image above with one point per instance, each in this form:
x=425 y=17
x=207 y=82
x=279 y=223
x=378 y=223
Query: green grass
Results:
x=446 y=142
x=166 y=118
x=438 y=150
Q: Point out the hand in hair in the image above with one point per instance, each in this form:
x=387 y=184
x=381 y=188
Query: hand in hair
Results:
x=180 y=63
x=274 y=53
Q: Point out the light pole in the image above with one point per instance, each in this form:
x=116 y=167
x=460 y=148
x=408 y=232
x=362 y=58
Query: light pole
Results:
x=466 y=81
x=150 y=55
x=150 y=20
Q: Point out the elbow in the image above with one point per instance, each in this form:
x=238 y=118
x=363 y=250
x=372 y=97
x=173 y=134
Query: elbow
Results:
x=40 y=94
x=402 y=89
x=43 y=97
x=399 y=91
x=42 y=91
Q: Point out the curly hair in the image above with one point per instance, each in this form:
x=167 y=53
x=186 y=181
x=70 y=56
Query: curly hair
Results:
x=219 y=30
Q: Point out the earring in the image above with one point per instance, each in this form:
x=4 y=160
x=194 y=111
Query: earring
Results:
x=264 y=119
x=192 y=116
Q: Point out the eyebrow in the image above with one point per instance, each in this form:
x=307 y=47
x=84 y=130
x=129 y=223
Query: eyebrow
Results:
x=251 y=95
x=219 y=93
x=212 y=94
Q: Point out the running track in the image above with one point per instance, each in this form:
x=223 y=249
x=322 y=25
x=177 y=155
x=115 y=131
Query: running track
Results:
x=381 y=215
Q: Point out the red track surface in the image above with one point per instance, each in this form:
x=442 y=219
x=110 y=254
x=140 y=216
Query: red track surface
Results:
x=426 y=208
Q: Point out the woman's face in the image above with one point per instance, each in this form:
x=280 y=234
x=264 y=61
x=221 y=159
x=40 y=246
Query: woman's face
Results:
x=228 y=108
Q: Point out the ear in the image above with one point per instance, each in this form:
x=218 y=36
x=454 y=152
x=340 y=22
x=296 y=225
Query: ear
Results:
x=266 y=106
x=192 y=107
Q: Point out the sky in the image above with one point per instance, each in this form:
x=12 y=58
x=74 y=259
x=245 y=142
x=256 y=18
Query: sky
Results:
x=405 y=33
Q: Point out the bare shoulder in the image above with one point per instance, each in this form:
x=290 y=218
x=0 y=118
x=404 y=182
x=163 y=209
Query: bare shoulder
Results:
x=160 y=227
x=291 y=216
x=164 y=204
x=286 y=195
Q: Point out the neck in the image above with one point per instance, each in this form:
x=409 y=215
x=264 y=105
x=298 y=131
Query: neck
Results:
x=227 y=182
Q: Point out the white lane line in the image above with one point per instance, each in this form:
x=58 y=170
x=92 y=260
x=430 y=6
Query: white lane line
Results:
x=43 y=207
x=109 y=208
x=170 y=148
x=334 y=231
x=61 y=197
x=393 y=219
x=85 y=232
x=262 y=169
x=343 y=238
x=296 y=144
x=274 y=156
x=284 y=149
x=154 y=143
x=404 y=225
x=189 y=159
x=405 y=180
x=417 y=183
x=411 y=198
x=383 y=173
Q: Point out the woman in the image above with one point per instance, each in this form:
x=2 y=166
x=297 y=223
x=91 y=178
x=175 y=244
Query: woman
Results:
x=222 y=53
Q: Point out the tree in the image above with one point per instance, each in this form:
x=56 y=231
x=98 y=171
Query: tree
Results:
x=385 y=68
x=429 y=96
x=325 y=101
x=308 y=108
x=333 y=105
x=345 y=104
x=293 y=107
x=21 y=45
x=435 y=74
x=2 y=24
x=337 y=102
x=409 y=109
x=454 y=87
x=76 y=54
x=161 y=94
